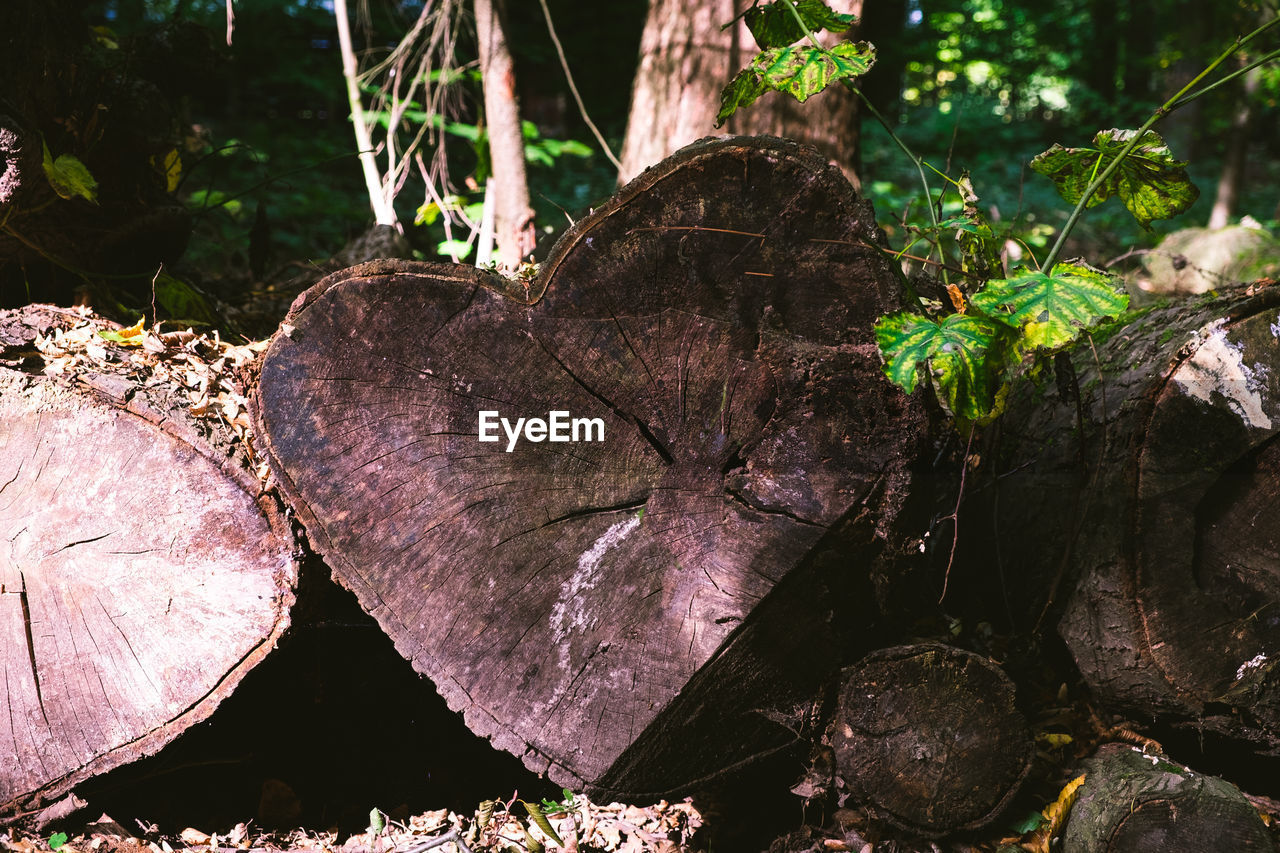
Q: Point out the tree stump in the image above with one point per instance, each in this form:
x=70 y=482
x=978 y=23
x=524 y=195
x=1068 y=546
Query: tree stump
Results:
x=636 y=614
x=1132 y=802
x=929 y=737
x=1149 y=540
x=142 y=574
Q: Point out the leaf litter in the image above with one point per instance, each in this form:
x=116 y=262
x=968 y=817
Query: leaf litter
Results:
x=666 y=827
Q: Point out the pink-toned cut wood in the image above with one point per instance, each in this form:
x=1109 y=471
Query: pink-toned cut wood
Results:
x=142 y=574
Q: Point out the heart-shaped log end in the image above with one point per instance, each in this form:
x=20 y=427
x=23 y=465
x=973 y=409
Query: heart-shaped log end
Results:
x=574 y=507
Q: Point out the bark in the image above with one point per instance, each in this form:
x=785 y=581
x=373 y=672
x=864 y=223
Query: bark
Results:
x=508 y=184
x=622 y=614
x=143 y=574
x=930 y=738
x=686 y=60
x=1145 y=539
x=1132 y=802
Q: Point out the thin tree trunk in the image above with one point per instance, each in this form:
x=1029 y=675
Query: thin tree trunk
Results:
x=514 y=216
x=1237 y=147
x=383 y=212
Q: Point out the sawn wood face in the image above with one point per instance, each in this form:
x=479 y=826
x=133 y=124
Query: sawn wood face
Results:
x=716 y=317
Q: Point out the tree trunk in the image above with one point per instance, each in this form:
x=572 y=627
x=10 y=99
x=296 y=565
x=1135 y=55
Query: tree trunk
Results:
x=1235 y=162
x=384 y=212
x=930 y=738
x=142 y=575
x=634 y=612
x=514 y=217
x=1148 y=535
x=686 y=60
x=1132 y=802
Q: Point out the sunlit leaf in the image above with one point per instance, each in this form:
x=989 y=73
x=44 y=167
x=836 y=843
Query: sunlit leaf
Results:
x=800 y=71
x=57 y=840
x=130 y=337
x=774 y=25
x=454 y=248
x=1149 y=181
x=69 y=177
x=803 y=71
x=957 y=352
x=1054 y=740
x=1051 y=310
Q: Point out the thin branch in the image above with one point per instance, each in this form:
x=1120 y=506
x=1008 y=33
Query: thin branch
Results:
x=582 y=108
x=1178 y=100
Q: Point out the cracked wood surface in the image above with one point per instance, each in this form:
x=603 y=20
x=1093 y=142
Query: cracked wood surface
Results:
x=612 y=611
x=140 y=579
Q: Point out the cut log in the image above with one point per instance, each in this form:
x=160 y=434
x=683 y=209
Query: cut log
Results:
x=636 y=611
x=1132 y=802
x=141 y=572
x=1151 y=542
x=930 y=738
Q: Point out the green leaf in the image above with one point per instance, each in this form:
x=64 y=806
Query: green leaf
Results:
x=69 y=177
x=801 y=72
x=454 y=248
x=979 y=247
x=774 y=25
x=1051 y=310
x=742 y=91
x=1029 y=822
x=536 y=815
x=956 y=351
x=57 y=840
x=805 y=71
x=1150 y=183
x=183 y=303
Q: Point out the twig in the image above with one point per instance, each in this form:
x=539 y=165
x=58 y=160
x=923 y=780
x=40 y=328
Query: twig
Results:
x=451 y=835
x=955 y=516
x=582 y=108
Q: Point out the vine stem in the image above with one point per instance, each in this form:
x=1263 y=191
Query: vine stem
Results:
x=917 y=160
x=1180 y=99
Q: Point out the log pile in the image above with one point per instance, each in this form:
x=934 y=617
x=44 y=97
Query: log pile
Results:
x=633 y=514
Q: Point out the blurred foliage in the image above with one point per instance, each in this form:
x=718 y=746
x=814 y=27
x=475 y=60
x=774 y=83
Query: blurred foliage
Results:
x=980 y=85
x=988 y=84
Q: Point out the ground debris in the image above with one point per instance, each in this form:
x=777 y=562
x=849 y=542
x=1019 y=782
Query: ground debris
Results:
x=614 y=828
x=211 y=374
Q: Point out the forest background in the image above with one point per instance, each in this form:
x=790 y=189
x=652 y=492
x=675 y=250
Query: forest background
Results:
x=268 y=165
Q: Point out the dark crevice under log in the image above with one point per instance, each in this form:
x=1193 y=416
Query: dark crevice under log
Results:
x=142 y=574
x=627 y=614
x=1151 y=543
